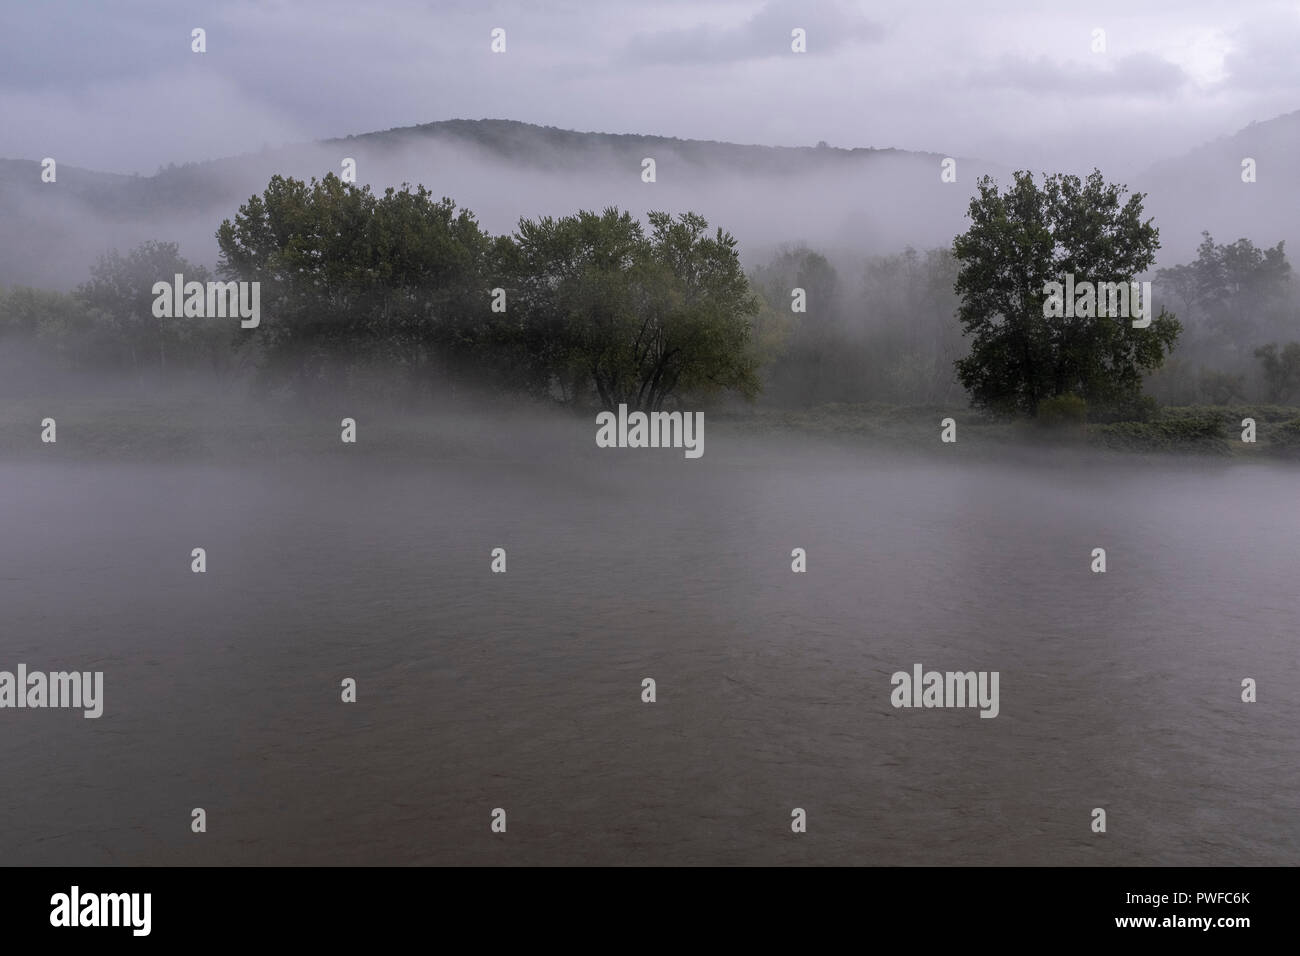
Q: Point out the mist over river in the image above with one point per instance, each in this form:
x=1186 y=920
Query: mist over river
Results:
x=523 y=690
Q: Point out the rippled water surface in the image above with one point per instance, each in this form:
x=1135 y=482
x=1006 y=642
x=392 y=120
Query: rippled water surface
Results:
x=523 y=690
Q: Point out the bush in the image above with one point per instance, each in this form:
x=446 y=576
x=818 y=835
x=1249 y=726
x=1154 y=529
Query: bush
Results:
x=1221 y=388
x=1203 y=433
x=1263 y=413
x=1139 y=408
x=1062 y=410
x=1284 y=439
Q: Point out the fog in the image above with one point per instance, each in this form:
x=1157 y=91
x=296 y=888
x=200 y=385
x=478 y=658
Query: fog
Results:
x=856 y=519
x=843 y=203
x=521 y=690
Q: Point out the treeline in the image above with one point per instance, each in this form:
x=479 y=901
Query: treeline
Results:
x=885 y=329
x=588 y=309
x=404 y=295
x=882 y=329
x=401 y=293
x=1240 y=310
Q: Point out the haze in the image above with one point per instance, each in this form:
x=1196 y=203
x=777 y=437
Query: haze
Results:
x=350 y=468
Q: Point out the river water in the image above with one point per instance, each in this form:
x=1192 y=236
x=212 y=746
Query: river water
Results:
x=523 y=690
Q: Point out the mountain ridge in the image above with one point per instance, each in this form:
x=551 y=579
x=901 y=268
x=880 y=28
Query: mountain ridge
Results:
x=868 y=198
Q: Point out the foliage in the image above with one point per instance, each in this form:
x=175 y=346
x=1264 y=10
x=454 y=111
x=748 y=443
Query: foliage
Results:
x=119 y=296
x=1202 y=433
x=1062 y=410
x=1284 y=439
x=1221 y=388
x=1231 y=294
x=1132 y=408
x=889 y=336
x=347 y=275
x=614 y=316
x=585 y=308
x=1281 y=370
x=1017 y=242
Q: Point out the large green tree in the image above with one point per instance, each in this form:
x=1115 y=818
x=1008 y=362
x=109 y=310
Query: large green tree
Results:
x=349 y=277
x=615 y=315
x=1029 y=236
x=586 y=308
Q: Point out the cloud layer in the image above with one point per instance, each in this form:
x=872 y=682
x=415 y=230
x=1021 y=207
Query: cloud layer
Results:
x=118 y=88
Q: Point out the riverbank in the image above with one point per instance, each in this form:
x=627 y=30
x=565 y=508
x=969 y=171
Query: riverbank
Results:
x=1212 y=431
x=194 y=429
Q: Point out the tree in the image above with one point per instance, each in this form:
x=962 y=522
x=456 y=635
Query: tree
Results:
x=1281 y=371
x=616 y=316
x=591 y=307
x=348 y=277
x=44 y=332
x=816 y=360
x=700 y=343
x=1221 y=388
x=1025 y=238
x=120 y=296
x=909 y=298
x=1234 y=294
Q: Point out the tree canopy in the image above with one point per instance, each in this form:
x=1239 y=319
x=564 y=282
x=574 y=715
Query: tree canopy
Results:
x=350 y=277
x=587 y=309
x=622 y=317
x=1023 y=239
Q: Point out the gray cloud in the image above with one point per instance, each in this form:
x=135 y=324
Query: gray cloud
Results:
x=1266 y=55
x=116 y=87
x=1139 y=74
x=828 y=25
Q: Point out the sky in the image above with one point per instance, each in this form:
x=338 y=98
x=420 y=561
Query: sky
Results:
x=115 y=86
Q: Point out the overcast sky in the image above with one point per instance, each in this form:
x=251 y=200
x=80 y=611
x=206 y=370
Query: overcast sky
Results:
x=115 y=86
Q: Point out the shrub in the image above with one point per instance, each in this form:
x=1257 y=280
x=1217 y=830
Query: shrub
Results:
x=1062 y=410
x=1139 y=408
x=1284 y=439
x=1263 y=413
x=1221 y=388
x=1203 y=433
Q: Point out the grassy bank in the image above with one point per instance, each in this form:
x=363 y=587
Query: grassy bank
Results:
x=1214 y=431
x=123 y=429
x=137 y=429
